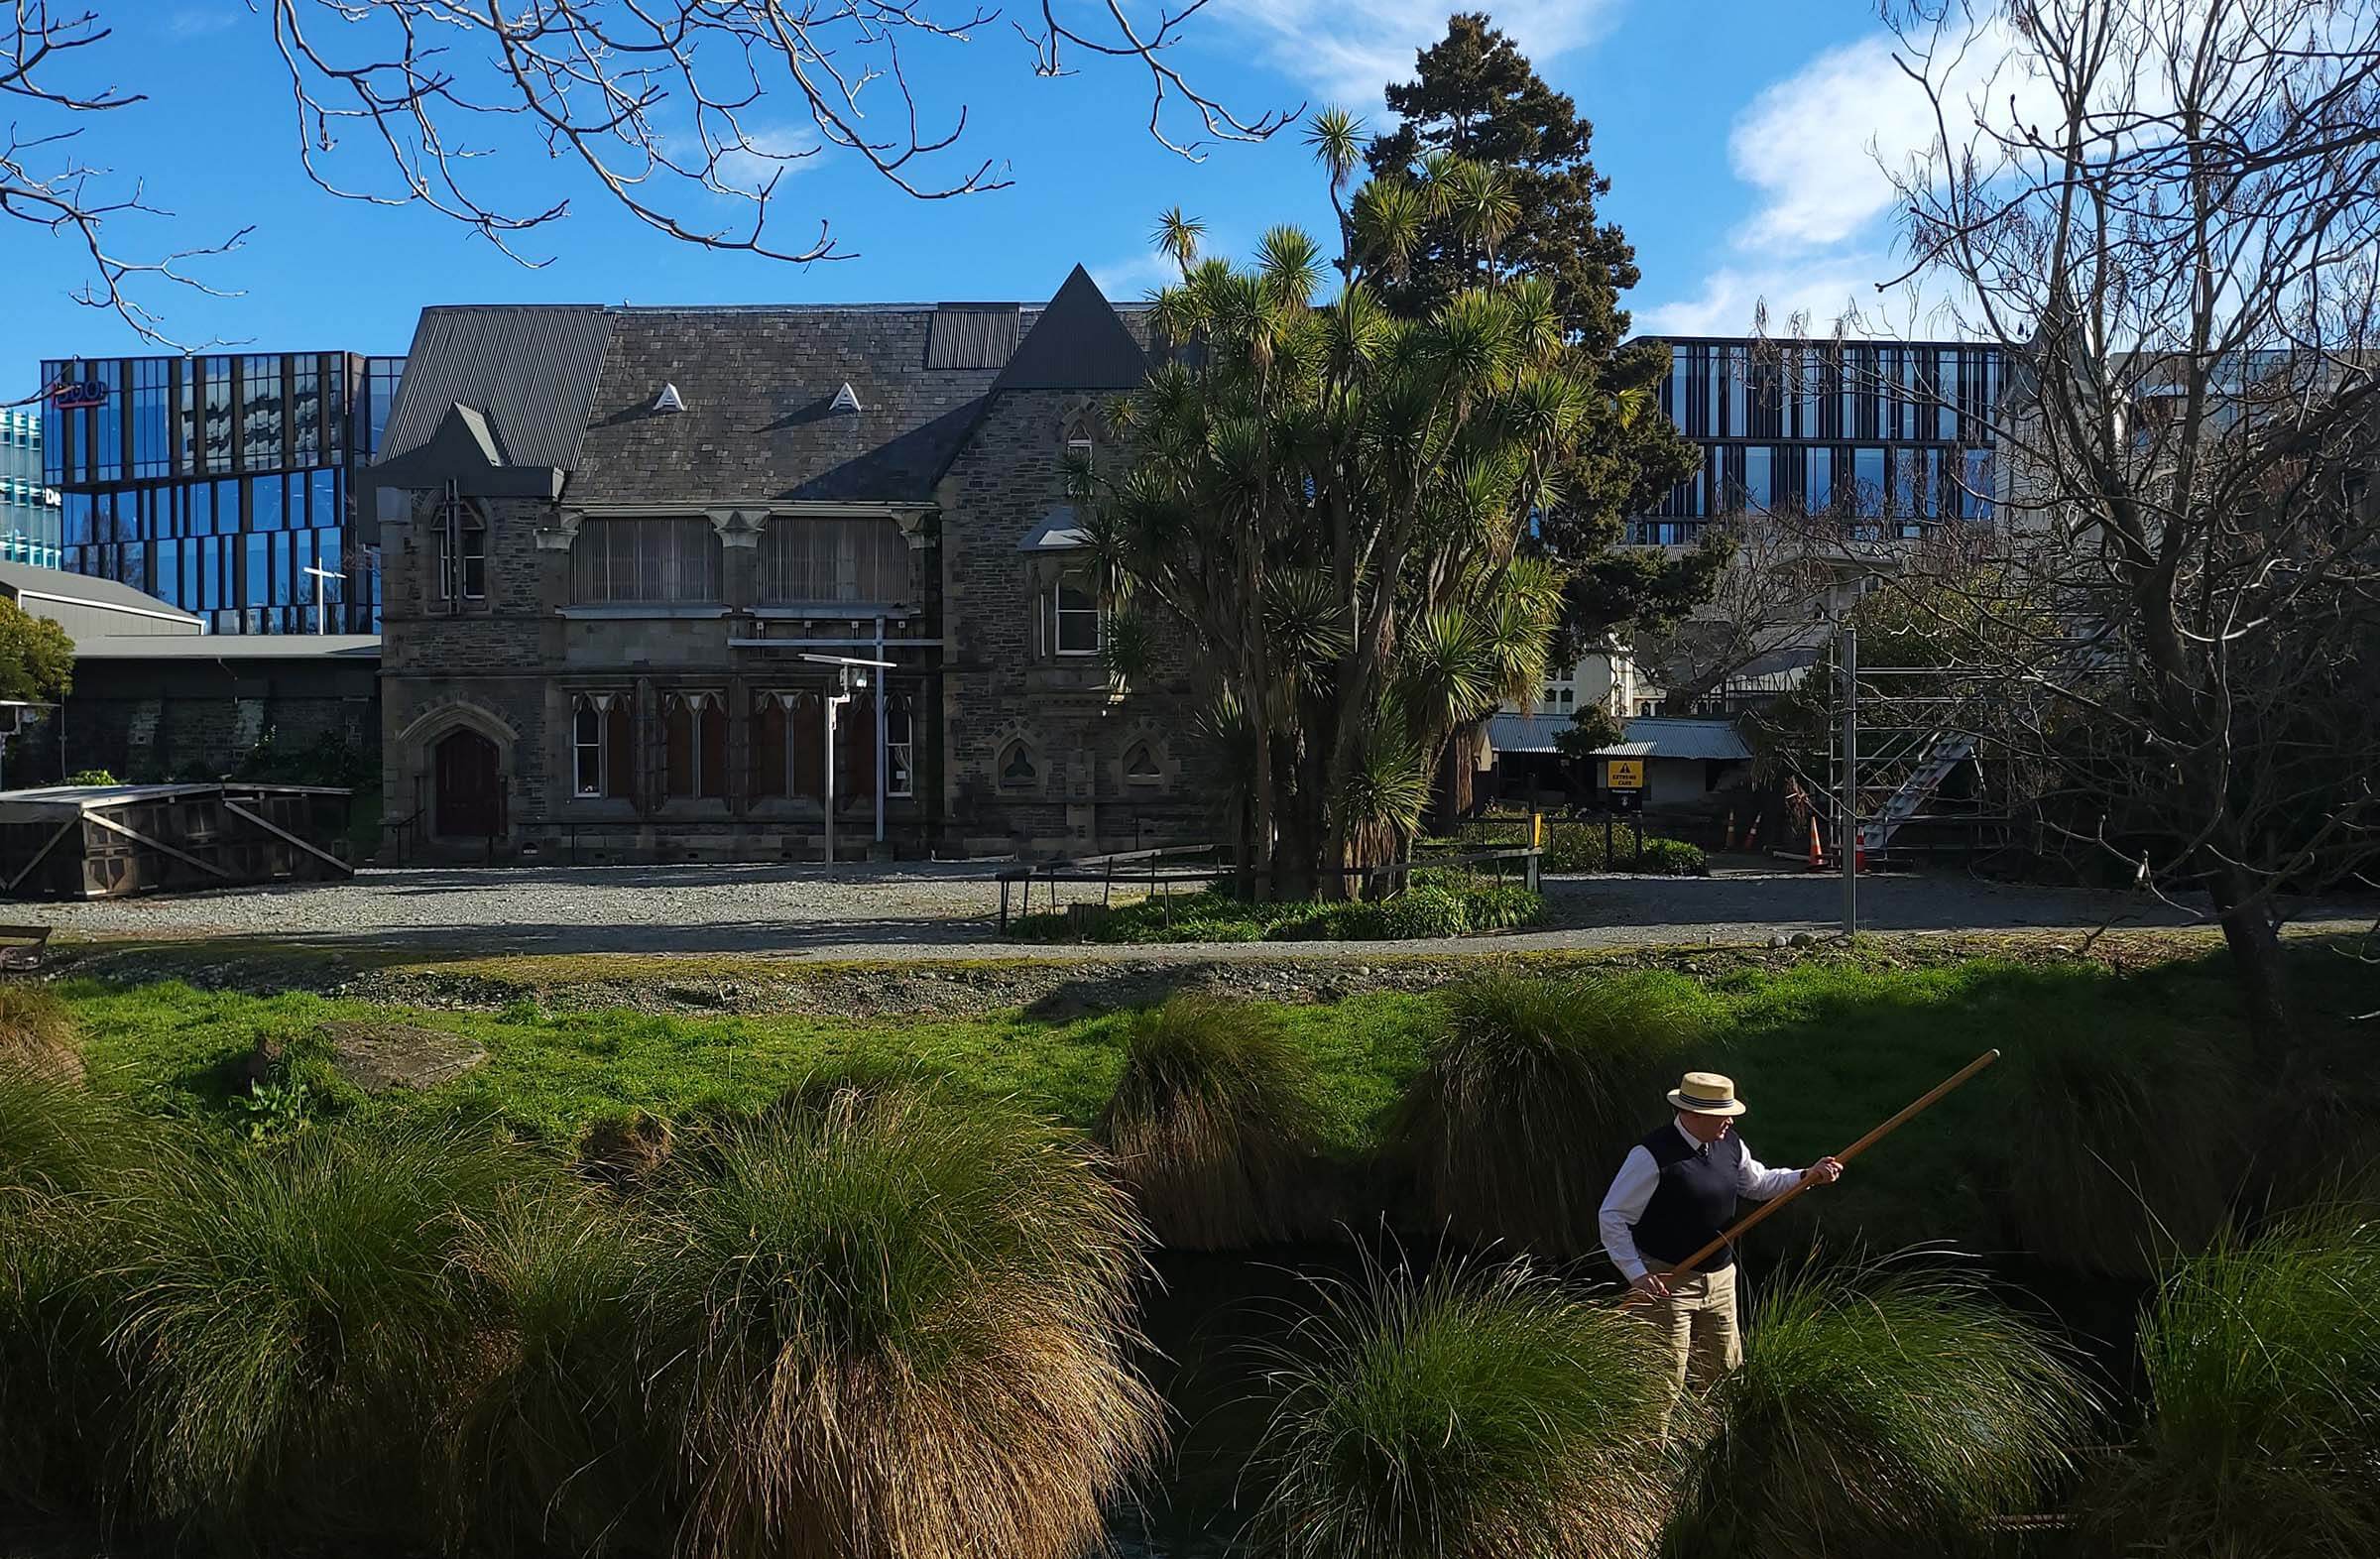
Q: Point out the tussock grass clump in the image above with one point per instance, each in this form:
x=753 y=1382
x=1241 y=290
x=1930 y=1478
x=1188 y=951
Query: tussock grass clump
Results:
x=63 y=1149
x=36 y=1033
x=1533 y=1092
x=1476 y=1413
x=551 y=1447
x=2263 y=1432
x=2123 y=1148
x=293 y=1324
x=1880 y=1412
x=1215 y=1124
x=898 y=1324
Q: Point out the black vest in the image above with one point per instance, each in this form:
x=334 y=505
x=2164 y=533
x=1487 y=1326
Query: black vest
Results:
x=1694 y=1200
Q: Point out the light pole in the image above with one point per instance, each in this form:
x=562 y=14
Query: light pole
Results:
x=851 y=680
x=321 y=622
x=1848 y=654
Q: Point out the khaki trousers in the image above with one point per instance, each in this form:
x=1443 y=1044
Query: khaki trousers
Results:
x=1698 y=1322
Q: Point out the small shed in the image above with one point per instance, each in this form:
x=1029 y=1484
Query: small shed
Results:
x=1684 y=760
x=107 y=841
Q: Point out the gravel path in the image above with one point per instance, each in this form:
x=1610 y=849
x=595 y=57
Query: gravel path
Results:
x=948 y=910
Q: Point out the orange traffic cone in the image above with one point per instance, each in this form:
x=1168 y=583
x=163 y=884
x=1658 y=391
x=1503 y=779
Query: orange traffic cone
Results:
x=1818 y=851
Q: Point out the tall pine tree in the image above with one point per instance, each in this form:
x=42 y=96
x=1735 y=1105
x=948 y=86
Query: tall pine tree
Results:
x=1476 y=96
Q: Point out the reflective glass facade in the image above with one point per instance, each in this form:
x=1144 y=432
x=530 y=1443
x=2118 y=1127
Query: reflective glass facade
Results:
x=217 y=482
x=1879 y=438
x=29 y=506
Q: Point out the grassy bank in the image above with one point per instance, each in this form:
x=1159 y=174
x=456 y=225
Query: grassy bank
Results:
x=1823 y=1051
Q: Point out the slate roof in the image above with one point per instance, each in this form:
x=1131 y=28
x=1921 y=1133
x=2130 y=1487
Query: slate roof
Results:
x=573 y=387
x=1078 y=343
x=527 y=369
x=758 y=386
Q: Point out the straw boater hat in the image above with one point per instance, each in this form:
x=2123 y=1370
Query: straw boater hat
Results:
x=1706 y=1093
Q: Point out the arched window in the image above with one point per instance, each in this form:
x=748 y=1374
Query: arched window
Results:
x=1018 y=772
x=695 y=732
x=1141 y=766
x=602 y=760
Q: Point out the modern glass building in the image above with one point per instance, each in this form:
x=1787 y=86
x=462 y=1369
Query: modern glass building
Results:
x=29 y=505
x=218 y=483
x=1880 y=438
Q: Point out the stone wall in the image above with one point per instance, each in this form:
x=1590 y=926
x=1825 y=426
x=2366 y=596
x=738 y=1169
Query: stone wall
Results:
x=1005 y=690
x=166 y=718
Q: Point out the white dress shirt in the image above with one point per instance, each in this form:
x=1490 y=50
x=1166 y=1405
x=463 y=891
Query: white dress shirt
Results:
x=1640 y=1177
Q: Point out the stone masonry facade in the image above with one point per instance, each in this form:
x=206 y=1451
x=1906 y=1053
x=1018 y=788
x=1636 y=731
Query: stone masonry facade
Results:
x=610 y=623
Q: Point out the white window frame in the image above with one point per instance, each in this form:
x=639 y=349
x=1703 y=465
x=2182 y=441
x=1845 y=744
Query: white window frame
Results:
x=472 y=525
x=901 y=741
x=1061 y=613
x=598 y=705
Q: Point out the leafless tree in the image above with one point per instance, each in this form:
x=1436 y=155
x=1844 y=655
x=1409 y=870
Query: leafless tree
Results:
x=664 y=107
x=1785 y=569
x=2170 y=207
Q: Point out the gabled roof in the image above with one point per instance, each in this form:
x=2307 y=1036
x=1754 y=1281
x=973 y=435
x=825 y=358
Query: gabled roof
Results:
x=469 y=449
x=527 y=371
x=1078 y=343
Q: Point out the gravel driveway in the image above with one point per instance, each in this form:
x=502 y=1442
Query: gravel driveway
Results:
x=948 y=910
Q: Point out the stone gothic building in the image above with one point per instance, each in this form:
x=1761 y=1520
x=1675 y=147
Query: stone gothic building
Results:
x=629 y=555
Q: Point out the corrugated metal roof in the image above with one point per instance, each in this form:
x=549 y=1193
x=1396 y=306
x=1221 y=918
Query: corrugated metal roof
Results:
x=23 y=579
x=1078 y=343
x=971 y=336
x=230 y=647
x=530 y=369
x=1649 y=737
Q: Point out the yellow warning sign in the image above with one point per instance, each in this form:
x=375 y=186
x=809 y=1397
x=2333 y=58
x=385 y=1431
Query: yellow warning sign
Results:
x=1623 y=773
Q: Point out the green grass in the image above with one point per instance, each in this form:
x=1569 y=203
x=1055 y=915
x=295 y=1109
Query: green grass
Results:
x=1822 y=1050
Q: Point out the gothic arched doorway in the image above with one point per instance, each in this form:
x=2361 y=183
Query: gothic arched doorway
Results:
x=469 y=795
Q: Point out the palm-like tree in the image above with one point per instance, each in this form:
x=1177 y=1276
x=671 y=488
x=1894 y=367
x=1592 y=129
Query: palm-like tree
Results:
x=1337 y=500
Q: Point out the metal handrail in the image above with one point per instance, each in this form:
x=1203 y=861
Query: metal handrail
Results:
x=1100 y=868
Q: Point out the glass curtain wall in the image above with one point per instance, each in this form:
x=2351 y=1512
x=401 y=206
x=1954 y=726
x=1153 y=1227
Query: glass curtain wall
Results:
x=217 y=482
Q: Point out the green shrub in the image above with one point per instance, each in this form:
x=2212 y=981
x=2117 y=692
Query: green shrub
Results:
x=1435 y=903
x=895 y=1324
x=293 y=1325
x=1879 y=1413
x=1473 y=1414
x=1215 y=1124
x=1531 y=1094
x=91 y=776
x=2262 y=1363
x=1577 y=845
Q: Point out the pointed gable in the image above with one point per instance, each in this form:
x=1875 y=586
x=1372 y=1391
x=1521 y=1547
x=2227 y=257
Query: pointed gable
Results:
x=1078 y=343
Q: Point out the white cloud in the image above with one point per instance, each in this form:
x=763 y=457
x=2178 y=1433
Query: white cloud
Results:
x=1809 y=143
x=1346 y=52
x=198 y=21
x=769 y=152
x=1824 y=290
x=1817 y=146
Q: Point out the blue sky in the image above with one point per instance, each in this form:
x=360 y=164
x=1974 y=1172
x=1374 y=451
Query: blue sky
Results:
x=1735 y=135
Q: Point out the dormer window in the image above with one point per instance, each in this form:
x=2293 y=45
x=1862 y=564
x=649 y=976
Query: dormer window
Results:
x=846 y=400
x=668 y=400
